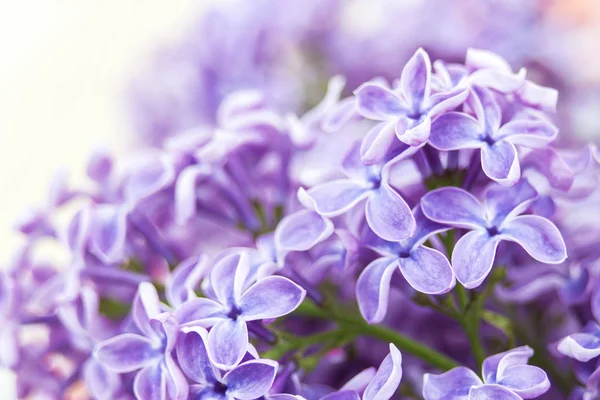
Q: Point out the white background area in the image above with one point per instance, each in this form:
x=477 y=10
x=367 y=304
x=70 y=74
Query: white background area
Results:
x=64 y=65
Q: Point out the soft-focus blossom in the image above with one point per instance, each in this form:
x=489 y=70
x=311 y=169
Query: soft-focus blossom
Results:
x=505 y=376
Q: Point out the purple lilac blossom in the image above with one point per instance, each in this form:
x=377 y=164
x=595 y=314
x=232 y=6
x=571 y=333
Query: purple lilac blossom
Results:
x=505 y=376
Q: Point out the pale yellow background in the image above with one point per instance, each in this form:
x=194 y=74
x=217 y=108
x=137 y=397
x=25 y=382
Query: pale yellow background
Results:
x=63 y=67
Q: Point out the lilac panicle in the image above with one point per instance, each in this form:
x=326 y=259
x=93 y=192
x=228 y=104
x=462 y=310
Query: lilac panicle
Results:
x=251 y=251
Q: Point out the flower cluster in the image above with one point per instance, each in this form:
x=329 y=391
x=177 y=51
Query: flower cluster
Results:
x=267 y=255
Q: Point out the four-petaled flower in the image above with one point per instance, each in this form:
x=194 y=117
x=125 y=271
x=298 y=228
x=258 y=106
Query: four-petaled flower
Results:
x=248 y=380
x=496 y=138
x=490 y=223
x=149 y=351
x=234 y=300
x=425 y=269
x=505 y=376
x=387 y=213
x=407 y=111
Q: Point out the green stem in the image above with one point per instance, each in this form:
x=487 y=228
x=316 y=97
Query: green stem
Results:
x=356 y=324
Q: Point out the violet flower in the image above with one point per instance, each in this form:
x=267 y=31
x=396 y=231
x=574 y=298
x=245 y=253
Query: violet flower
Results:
x=149 y=351
x=235 y=302
x=249 y=380
x=585 y=345
x=387 y=213
x=406 y=112
x=496 y=220
x=505 y=376
x=495 y=137
x=427 y=270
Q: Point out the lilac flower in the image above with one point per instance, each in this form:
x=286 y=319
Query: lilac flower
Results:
x=149 y=351
x=249 y=380
x=81 y=318
x=495 y=138
x=505 y=376
x=387 y=213
x=491 y=71
x=235 y=302
x=585 y=345
x=427 y=270
x=490 y=223
x=406 y=112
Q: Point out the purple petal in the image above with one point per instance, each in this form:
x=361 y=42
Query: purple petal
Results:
x=413 y=133
x=427 y=271
x=353 y=166
x=102 y=384
x=339 y=114
x=498 y=81
x=550 y=164
x=150 y=176
x=193 y=356
x=580 y=346
x=528 y=132
x=146 y=306
x=473 y=257
x=485 y=59
x=374 y=101
x=228 y=277
x=494 y=366
x=185 y=192
x=271 y=297
x=251 y=379
x=9 y=345
x=377 y=142
x=454 y=384
x=441 y=103
x=100 y=165
x=372 y=289
x=486 y=109
x=109 y=230
x=227 y=343
x=500 y=162
x=415 y=79
x=595 y=302
x=127 y=352
x=540 y=97
x=337 y=197
x=492 y=392
x=387 y=379
x=177 y=386
x=538 y=236
x=453 y=206
x=388 y=214
x=527 y=381
x=185 y=278
x=200 y=312
x=502 y=203
x=342 y=395
x=150 y=383
x=425 y=229
x=360 y=381
x=454 y=131
x=301 y=231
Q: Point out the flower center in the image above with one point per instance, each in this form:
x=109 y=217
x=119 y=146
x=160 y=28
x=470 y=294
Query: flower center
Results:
x=219 y=388
x=404 y=254
x=489 y=140
x=492 y=231
x=234 y=313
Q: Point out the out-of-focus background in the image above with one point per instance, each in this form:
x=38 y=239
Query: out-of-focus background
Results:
x=64 y=66
x=68 y=69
